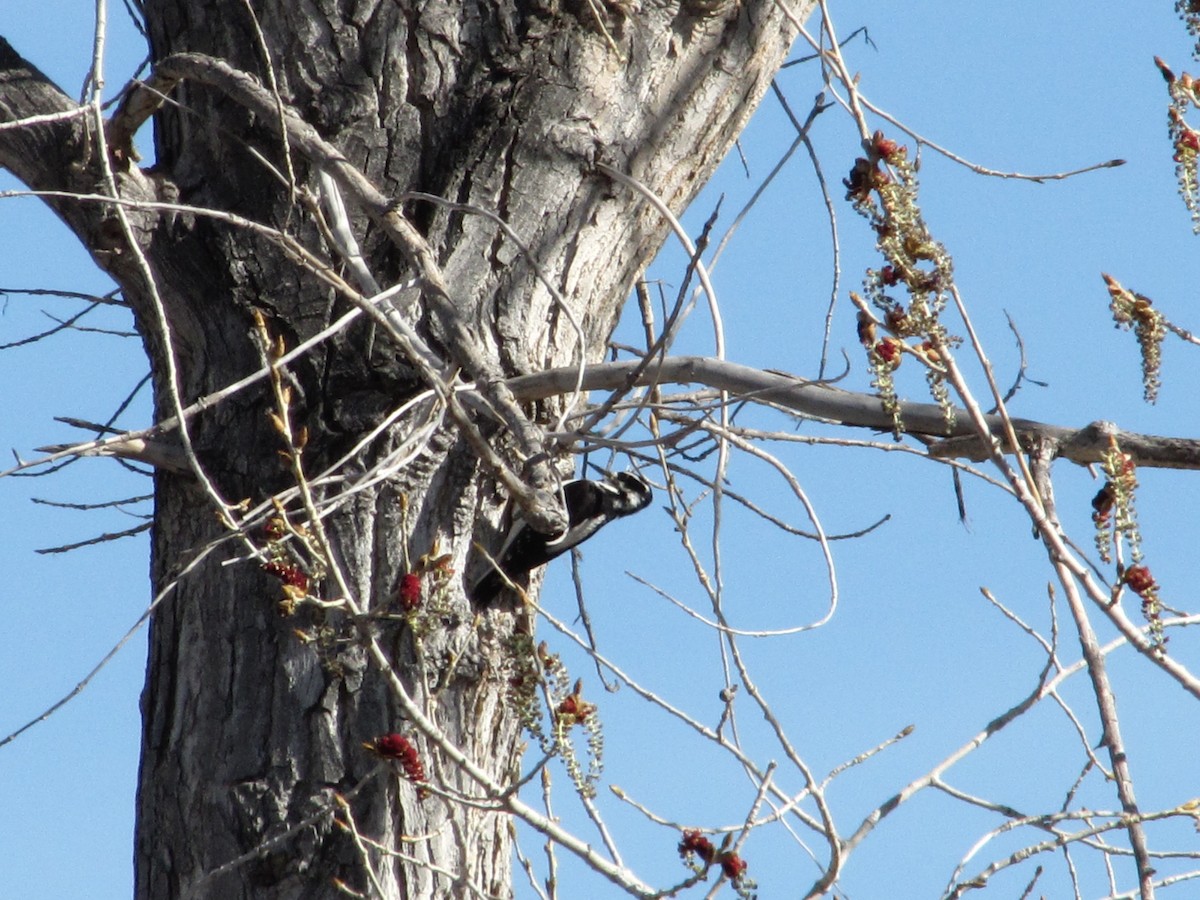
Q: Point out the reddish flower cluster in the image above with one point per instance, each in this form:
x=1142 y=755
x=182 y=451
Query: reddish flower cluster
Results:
x=399 y=748
x=861 y=180
x=440 y=564
x=289 y=574
x=1128 y=466
x=866 y=176
x=897 y=320
x=1139 y=579
x=884 y=148
x=1121 y=482
x=888 y=350
x=732 y=865
x=1188 y=143
x=574 y=709
x=546 y=658
x=696 y=844
x=409 y=592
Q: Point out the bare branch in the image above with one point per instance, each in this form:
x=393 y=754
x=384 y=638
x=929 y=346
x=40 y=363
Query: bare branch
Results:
x=816 y=400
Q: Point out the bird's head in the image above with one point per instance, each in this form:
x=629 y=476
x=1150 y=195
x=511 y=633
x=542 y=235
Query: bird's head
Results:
x=632 y=493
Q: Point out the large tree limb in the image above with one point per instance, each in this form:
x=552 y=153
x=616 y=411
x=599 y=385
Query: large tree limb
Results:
x=44 y=142
x=33 y=113
x=48 y=141
x=816 y=400
x=810 y=399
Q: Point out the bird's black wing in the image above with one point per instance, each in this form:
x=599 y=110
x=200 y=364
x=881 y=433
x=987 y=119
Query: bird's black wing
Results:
x=525 y=549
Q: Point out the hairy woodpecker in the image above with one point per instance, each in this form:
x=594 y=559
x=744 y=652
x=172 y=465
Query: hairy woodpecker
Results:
x=590 y=506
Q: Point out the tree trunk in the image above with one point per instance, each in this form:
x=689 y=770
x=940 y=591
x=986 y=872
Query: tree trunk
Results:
x=505 y=106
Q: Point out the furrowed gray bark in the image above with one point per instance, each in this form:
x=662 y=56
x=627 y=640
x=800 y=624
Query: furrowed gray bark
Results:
x=506 y=106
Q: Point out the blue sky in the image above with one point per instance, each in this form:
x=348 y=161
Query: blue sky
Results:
x=1038 y=88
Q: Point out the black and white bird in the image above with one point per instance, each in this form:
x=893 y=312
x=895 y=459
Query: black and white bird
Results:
x=590 y=506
